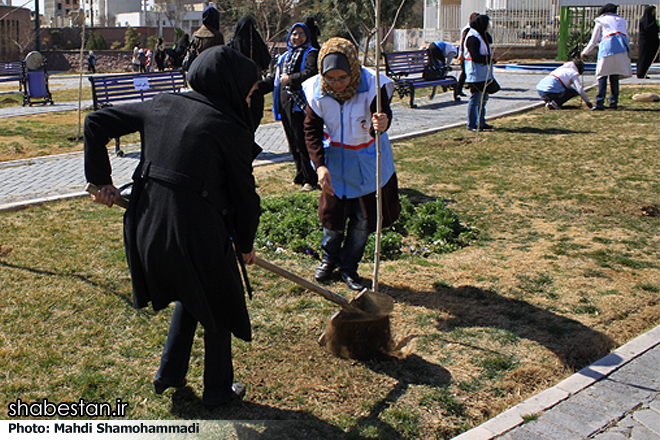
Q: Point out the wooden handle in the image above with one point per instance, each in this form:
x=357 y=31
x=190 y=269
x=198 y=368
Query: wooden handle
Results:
x=93 y=189
x=327 y=294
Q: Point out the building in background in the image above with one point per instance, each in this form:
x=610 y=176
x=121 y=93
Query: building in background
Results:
x=16 y=32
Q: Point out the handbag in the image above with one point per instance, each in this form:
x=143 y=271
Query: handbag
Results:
x=432 y=73
x=492 y=86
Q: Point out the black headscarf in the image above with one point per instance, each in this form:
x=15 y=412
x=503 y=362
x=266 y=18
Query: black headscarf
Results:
x=480 y=24
x=224 y=77
x=648 y=21
x=247 y=41
x=314 y=31
x=609 y=8
x=211 y=18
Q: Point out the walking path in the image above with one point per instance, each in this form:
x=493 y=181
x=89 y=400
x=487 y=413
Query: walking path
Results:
x=49 y=178
x=618 y=397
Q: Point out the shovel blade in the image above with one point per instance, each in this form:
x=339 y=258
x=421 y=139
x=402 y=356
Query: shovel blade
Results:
x=357 y=339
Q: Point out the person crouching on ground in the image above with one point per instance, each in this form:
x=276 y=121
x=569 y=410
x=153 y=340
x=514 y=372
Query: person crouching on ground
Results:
x=340 y=129
x=562 y=84
x=193 y=206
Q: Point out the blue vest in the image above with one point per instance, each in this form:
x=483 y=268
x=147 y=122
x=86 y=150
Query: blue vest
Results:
x=276 y=86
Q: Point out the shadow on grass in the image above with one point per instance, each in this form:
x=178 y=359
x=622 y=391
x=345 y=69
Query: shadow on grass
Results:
x=255 y=421
x=636 y=109
x=418 y=197
x=270 y=422
x=546 y=131
x=575 y=344
x=72 y=275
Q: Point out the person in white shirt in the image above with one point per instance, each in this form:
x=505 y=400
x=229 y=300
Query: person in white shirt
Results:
x=562 y=84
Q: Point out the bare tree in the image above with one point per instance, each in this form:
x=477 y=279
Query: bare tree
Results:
x=272 y=17
x=174 y=10
x=357 y=18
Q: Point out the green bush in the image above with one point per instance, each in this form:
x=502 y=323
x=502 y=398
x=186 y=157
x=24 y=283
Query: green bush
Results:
x=131 y=38
x=291 y=223
x=96 y=42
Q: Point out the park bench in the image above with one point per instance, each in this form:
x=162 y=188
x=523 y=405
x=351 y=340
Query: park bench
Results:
x=11 y=71
x=127 y=87
x=406 y=69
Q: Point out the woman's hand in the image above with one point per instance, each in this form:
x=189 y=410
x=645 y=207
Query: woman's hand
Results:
x=284 y=80
x=380 y=121
x=324 y=179
x=250 y=257
x=107 y=195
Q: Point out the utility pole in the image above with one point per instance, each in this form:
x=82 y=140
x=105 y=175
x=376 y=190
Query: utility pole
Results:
x=37 y=27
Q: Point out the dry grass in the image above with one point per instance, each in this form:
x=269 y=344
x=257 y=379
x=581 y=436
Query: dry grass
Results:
x=566 y=269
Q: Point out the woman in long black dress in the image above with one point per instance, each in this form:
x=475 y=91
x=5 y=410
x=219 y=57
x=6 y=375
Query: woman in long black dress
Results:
x=648 y=41
x=193 y=207
x=248 y=41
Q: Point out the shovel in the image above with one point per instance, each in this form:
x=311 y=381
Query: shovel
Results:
x=365 y=306
x=360 y=330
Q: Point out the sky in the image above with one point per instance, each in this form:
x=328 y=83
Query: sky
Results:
x=29 y=5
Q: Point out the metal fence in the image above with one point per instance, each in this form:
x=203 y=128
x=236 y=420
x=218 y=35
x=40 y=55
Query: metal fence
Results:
x=539 y=26
x=513 y=23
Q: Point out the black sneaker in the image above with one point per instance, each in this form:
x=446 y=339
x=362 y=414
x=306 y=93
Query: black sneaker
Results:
x=352 y=280
x=238 y=393
x=324 y=271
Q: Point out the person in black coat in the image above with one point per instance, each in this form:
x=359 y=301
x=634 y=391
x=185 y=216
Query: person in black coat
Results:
x=314 y=31
x=648 y=41
x=248 y=41
x=193 y=207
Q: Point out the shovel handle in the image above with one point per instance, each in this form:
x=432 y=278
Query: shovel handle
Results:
x=327 y=294
x=93 y=189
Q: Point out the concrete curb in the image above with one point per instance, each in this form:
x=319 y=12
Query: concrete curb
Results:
x=513 y=417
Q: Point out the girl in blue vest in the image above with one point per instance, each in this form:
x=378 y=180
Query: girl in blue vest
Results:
x=610 y=35
x=478 y=71
x=340 y=131
x=296 y=65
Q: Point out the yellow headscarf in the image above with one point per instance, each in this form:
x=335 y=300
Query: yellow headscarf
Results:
x=343 y=46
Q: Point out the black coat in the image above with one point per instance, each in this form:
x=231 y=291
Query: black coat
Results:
x=194 y=182
x=648 y=41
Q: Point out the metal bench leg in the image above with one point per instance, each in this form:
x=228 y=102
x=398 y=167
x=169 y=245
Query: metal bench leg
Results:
x=412 y=98
x=118 y=150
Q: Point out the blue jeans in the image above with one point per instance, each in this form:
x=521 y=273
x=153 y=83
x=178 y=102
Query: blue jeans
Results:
x=602 y=91
x=559 y=98
x=346 y=254
x=477 y=109
x=218 y=368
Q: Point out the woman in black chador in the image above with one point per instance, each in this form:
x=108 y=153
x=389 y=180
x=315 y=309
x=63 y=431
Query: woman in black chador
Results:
x=248 y=41
x=648 y=41
x=193 y=207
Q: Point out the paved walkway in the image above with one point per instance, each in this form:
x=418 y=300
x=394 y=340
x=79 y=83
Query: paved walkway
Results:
x=618 y=397
x=39 y=180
